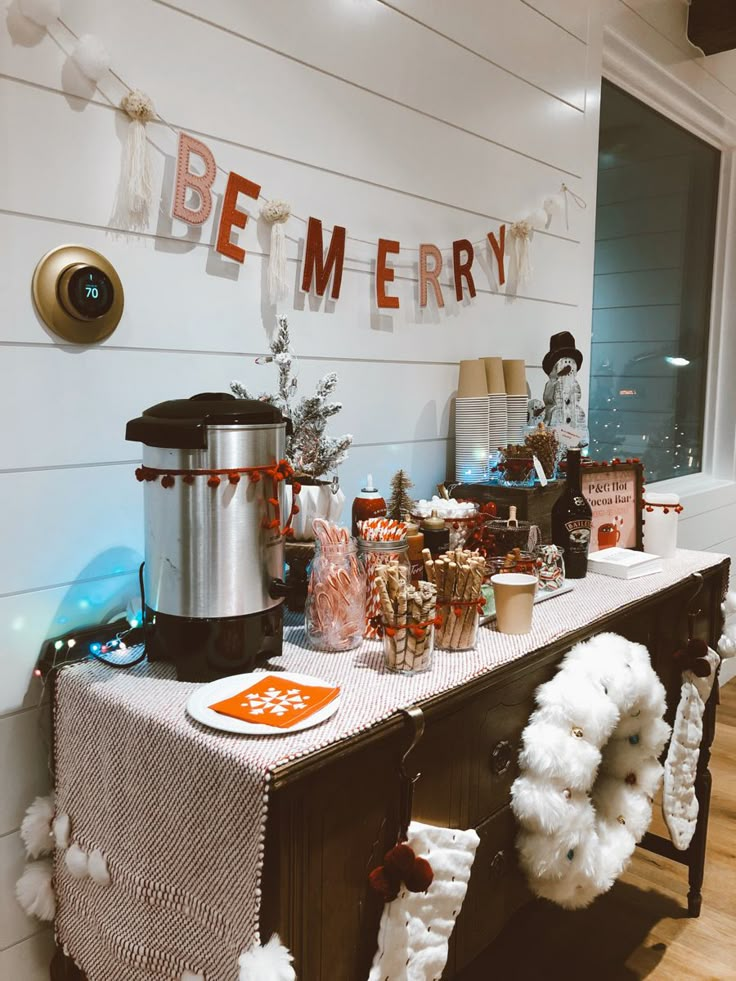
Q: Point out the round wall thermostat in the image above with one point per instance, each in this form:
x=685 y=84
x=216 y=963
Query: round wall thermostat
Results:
x=78 y=294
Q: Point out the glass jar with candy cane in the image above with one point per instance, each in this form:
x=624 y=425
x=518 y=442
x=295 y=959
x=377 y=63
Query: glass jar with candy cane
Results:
x=334 y=614
x=382 y=542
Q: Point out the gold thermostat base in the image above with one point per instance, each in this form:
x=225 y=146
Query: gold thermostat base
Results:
x=78 y=294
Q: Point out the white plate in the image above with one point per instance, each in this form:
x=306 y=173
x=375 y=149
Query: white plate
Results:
x=198 y=705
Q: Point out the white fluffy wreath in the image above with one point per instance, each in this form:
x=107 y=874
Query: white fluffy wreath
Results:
x=589 y=770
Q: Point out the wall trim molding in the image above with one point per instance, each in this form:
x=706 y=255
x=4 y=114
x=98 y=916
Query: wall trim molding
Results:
x=637 y=73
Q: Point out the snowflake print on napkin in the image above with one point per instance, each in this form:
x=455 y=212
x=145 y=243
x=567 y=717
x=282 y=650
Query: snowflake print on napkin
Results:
x=275 y=701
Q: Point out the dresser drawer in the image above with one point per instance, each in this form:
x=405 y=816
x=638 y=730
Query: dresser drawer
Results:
x=468 y=759
x=496 y=889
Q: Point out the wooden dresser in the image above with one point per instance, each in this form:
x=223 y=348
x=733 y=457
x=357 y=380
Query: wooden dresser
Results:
x=333 y=814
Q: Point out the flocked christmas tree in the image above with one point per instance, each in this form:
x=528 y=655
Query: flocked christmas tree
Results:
x=400 y=504
x=308 y=449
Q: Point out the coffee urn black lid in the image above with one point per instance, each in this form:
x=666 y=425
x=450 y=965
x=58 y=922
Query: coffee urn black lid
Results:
x=181 y=424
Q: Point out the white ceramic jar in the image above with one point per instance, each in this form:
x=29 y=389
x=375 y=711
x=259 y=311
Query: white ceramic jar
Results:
x=660 y=516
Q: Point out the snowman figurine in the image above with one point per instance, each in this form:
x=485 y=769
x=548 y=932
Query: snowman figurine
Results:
x=562 y=394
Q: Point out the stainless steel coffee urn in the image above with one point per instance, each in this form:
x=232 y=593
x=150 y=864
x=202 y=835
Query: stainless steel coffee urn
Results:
x=213 y=480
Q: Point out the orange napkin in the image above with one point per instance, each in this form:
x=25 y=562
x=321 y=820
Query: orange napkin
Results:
x=273 y=701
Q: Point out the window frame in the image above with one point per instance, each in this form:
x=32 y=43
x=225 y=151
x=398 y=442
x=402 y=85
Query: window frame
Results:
x=631 y=70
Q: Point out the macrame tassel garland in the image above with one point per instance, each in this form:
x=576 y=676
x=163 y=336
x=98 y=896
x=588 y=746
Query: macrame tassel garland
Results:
x=520 y=267
x=277 y=213
x=135 y=190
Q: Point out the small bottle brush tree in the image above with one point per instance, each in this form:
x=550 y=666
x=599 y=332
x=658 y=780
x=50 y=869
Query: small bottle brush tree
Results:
x=400 y=504
x=309 y=450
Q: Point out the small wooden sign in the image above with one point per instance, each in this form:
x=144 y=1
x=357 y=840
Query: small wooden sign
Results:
x=614 y=492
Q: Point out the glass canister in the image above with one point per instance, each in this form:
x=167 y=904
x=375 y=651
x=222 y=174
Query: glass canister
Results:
x=551 y=567
x=334 y=614
x=408 y=618
x=372 y=555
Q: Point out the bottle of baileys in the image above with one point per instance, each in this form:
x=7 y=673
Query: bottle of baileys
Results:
x=571 y=521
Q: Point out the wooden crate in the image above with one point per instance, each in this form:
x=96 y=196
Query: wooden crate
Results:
x=533 y=504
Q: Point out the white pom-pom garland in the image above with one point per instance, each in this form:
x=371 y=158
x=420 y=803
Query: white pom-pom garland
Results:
x=35 y=831
x=97 y=867
x=91 y=57
x=62 y=831
x=538 y=218
x=76 y=861
x=269 y=963
x=34 y=890
x=41 y=12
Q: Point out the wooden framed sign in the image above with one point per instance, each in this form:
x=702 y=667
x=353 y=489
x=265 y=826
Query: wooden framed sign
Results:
x=614 y=492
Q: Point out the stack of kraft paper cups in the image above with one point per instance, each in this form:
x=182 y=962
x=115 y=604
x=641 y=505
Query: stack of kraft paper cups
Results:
x=517 y=398
x=498 y=422
x=471 y=423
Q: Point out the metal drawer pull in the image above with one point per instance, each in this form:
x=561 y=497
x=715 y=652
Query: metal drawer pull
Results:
x=498 y=865
x=501 y=757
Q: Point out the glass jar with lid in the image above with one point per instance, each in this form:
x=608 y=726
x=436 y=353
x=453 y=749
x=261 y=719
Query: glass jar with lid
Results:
x=372 y=555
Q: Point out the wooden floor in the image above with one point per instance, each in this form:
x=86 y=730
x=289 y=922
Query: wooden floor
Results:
x=641 y=928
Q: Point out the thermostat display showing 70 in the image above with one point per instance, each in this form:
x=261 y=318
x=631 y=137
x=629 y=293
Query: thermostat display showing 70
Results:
x=89 y=292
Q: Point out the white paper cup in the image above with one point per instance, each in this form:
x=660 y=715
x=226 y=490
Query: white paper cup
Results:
x=514 y=596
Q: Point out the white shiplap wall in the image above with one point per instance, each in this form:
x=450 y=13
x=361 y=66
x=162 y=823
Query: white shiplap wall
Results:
x=420 y=121
x=413 y=119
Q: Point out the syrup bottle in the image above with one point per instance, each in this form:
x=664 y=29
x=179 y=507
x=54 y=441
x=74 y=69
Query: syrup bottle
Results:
x=368 y=504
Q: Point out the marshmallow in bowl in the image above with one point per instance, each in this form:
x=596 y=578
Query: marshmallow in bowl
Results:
x=444 y=508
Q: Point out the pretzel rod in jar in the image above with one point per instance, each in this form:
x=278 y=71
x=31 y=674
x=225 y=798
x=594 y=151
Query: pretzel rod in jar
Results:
x=459 y=577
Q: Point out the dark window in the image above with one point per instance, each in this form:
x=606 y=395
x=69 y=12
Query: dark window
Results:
x=655 y=235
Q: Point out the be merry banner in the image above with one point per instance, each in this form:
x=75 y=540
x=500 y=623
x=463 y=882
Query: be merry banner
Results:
x=324 y=257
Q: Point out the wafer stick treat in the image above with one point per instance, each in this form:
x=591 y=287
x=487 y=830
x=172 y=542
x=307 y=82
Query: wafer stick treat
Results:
x=458 y=576
x=408 y=619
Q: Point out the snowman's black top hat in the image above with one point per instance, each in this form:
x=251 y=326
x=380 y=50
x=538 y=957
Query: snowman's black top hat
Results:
x=561 y=345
